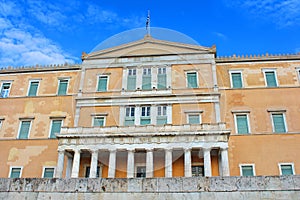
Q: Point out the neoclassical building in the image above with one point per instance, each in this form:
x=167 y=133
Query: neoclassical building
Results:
x=152 y=108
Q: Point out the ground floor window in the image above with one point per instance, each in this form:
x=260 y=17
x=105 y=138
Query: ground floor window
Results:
x=87 y=172
x=141 y=172
x=198 y=170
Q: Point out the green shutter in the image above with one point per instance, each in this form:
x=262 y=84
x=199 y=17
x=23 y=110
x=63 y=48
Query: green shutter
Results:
x=131 y=83
x=236 y=80
x=99 y=121
x=146 y=82
x=286 y=170
x=194 y=119
x=102 y=84
x=63 y=85
x=129 y=121
x=278 y=122
x=33 y=88
x=24 y=130
x=192 y=80
x=15 y=173
x=242 y=124
x=271 y=79
x=48 y=173
x=247 y=171
x=56 y=126
x=145 y=120
x=161 y=120
x=161 y=81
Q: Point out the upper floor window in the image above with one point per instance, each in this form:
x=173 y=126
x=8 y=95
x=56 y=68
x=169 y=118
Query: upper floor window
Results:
x=98 y=121
x=247 y=170
x=286 y=169
x=236 y=79
x=55 y=127
x=194 y=118
x=146 y=81
x=192 y=79
x=145 y=115
x=131 y=79
x=270 y=77
x=24 y=129
x=62 y=87
x=279 y=123
x=162 y=78
x=48 y=172
x=242 y=123
x=15 y=172
x=130 y=114
x=102 y=83
x=33 y=88
x=161 y=115
x=5 y=88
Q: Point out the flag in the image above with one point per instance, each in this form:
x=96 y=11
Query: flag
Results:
x=148 y=20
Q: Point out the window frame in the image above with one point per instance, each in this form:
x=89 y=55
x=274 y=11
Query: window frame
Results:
x=197 y=79
x=48 y=167
x=29 y=86
x=284 y=121
x=231 y=80
x=146 y=73
x=247 y=165
x=12 y=167
x=265 y=77
x=198 y=165
x=20 y=124
x=236 y=124
x=58 y=86
x=107 y=82
x=132 y=71
x=51 y=124
x=136 y=167
x=280 y=169
x=10 y=85
x=98 y=116
x=130 y=117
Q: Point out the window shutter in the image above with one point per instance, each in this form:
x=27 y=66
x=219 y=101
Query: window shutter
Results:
x=56 y=126
x=48 y=172
x=194 y=119
x=242 y=124
x=102 y=84
x=24 y=130
x=131 y=83
x=15 y=173
x=247 y=171
x=286 y=170
x=63 y=84
x=271 y=80
x=33 y=88
x=146 y=82
x=192 y=80
x=236 y=80
x=99 y=121
x=161 y=81
x=278 y=122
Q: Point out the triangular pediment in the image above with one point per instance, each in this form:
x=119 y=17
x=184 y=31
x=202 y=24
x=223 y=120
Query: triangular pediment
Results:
x=149 y=46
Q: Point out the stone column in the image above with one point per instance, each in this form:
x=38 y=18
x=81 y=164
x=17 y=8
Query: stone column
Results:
x=137 y=115
x=169 y=114
x=224 y=160
x=124 y=78
x=168 y=163
x=187 y=163
x=94 y=164
x=207 y=161
x=112 y=164
x=139 y=77
x=153 y=114
x=69 y=167
x=60 y=164
x=130 y=163
x=76 y=164
x=149 y=163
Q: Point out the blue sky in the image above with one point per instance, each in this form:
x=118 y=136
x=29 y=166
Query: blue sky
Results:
x=54 y=32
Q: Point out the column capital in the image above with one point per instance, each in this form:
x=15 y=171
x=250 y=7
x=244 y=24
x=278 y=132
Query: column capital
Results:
x=112 y=150
x=93 y=150
x=77 y=150
x=149 y=149
x=168 y=149
x=187 y=149
x=224 y=148
x=130 y=149
x=61 y=151
x=206 y=148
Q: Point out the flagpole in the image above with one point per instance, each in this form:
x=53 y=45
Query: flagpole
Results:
x=148 y=23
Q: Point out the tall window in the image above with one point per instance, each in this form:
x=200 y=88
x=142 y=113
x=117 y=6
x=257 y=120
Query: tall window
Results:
x=146 y=85
x=162 y=78
x=33 y=88
x=24 y=129
x=131 y=79
x=55 y=128
x=5 y=90
x=241 y=123
x=247 y=170
x=102 y=83
x=62 y=87
x=192 y=80
x=236 y=79
x=98 y=121
x=286 y=169
x=145 y=115
x=15 y=172
x=193 y=118
x=129 y=118
x=161 y=115
x=270 y=78
x=48 y=172
x=279 y=125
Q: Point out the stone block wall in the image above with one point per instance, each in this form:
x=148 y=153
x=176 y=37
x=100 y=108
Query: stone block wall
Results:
x=260 y=187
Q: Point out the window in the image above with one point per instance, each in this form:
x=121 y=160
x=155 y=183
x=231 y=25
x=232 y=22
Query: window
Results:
x=48 y=172
x=146 y=85
x=161 y=115
x=145 y=115
x=102 y=83
x=33 y=88
x=24 y=129
x=236 y=79
x=129 y=119
x=15 y=172
x=192 y=80
x=193 y=118
x=241 y=123
x=161 y=78
x=62 y=87
x=141 y=171
x=286 y=169
x=198 y=170
x=55 y=128
x=270 y=78
x=98 y=121
x=5 y=90
x=88 y=169
x=1 y=122
x=279 y=125
x=131 y=79
x=247 y=170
